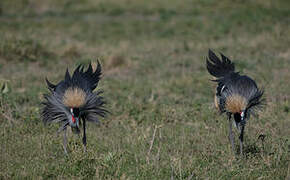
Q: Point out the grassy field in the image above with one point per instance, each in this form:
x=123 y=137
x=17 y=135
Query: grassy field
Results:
x=163 y=123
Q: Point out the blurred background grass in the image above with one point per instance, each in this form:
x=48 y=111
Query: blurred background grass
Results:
x=154 y=78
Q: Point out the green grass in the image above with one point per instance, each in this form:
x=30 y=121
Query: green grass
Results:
x=155 y=80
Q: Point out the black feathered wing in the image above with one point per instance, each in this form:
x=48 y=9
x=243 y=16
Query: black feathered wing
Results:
x=241 y=85
x=94 y=107
x=54 y=110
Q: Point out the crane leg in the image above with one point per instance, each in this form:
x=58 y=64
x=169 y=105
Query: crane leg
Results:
x=64 y=141
x=241 y=139
x=84 y=136
x=231 y=138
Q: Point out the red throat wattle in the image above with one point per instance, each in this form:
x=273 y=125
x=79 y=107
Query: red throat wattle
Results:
x=73 y=119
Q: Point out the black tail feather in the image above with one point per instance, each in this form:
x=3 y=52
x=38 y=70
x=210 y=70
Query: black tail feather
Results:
x=217 y=67
x=50 y=86
x=67 y=75
x=89 y=76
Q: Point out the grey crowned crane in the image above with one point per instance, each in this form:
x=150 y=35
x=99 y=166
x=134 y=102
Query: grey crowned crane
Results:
x=72 y=101
x=236 y=95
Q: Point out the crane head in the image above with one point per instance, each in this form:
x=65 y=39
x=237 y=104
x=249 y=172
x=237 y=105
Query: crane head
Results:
x=74 y=117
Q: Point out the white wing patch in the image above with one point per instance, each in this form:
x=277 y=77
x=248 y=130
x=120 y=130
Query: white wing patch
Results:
x=223 y=88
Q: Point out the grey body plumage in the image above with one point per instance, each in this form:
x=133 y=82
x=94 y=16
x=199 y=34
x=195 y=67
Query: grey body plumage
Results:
x=73 y=101
x=236 y=95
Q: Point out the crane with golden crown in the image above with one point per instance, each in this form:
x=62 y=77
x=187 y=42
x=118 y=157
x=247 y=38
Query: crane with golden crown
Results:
x=72 y=101
x=236 y=95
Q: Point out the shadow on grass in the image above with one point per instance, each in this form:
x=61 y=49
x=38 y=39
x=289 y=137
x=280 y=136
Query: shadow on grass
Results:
x=252 y=149
x=255 y=149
